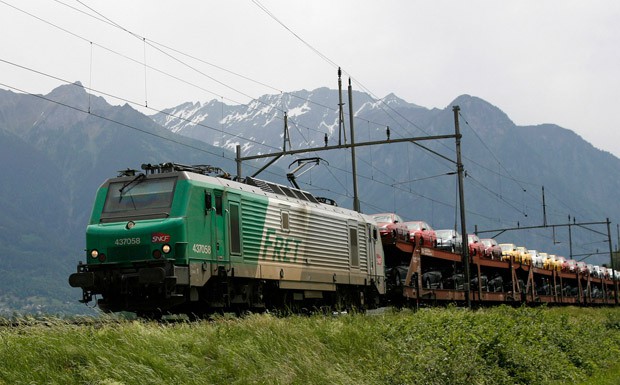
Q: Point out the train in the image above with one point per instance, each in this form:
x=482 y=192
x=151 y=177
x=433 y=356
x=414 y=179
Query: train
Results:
x=178 y=239
x=173 y=238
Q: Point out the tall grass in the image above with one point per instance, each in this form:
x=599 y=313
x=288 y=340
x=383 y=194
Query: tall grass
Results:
x=432 y=346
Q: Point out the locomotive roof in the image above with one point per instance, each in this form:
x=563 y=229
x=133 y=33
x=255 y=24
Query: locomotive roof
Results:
x=217 y=172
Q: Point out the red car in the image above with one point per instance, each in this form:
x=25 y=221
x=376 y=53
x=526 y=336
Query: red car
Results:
x=491 y=248
x=422 y=231
x=391 y=227
x=476 y=248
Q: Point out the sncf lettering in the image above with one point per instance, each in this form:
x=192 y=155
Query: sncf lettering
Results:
x=160 y=238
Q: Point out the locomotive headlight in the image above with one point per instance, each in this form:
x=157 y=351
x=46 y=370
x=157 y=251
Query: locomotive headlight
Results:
x=130 y=225
x=94 y=253
x=166 y=248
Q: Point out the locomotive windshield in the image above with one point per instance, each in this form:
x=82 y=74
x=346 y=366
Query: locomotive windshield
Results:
x=139 y=194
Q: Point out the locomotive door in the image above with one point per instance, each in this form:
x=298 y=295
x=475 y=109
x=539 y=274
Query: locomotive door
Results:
x=218 y=228
x=233 y=216
x=371 y=255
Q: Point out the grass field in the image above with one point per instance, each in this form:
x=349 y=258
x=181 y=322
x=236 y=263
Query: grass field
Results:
x=431 y=346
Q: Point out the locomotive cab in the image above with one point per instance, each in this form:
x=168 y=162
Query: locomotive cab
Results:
x=136 y=243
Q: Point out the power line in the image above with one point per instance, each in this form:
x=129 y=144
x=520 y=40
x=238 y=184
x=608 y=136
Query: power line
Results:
x=270 y=14
x=110 y=120
x=130 y=102
x=333 y=64
x=153 y=43
x=492 y=153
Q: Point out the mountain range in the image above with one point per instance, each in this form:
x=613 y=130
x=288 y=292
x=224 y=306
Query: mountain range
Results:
x=56 y=149
x=507 y=165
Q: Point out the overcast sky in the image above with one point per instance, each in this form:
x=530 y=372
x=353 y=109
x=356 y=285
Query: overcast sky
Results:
x=538 y=61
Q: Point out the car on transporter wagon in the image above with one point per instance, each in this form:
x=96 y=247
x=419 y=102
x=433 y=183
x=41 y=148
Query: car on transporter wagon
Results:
x=422 y=231
x=450 y=240
x=509 y=252
x=391 y=227
x=537 y=258
x=491 y=248
x=476 y=248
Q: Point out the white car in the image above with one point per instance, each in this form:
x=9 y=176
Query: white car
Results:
x=537 y=259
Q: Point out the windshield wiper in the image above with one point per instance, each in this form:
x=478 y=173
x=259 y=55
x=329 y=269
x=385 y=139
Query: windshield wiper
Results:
x=139 y=177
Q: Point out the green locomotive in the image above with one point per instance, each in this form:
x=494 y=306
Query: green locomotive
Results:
x=177 y=239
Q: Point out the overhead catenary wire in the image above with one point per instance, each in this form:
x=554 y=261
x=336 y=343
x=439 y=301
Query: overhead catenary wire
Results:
x=108 y=21
x=316 y=51
x=491 y=152
x=143 y=63
x=334 y=65
x=128 y=101
x=509 y=175
x=91 y=113
x=104 y=19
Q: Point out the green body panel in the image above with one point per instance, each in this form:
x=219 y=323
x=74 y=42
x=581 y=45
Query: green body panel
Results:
x=198 y=226
x=253 y=217
x=121 y=245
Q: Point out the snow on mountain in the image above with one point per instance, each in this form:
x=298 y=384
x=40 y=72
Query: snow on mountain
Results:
x=259 y=125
